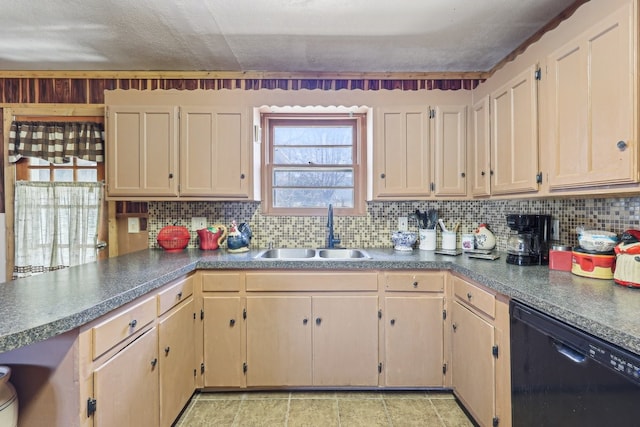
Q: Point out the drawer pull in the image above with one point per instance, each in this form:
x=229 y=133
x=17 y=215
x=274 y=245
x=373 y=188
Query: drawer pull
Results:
x=454 y=326
x=180 y=295
x=415 y=284
x=133 y=323
x=166 y=350
x=154 y=362
x=305 y=321
x=318 y=321
x=393 y=322
x=469 y=296
x=232 y=322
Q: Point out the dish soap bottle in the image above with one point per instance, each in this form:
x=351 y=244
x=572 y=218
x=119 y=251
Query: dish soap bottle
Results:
x=485 y=239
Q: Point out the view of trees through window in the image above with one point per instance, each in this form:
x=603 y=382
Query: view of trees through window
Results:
x=313 y=163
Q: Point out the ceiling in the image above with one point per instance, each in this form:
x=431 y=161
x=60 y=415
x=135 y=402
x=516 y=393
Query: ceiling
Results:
x=338 y=36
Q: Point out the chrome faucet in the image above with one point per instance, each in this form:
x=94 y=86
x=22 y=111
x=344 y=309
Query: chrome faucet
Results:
x=331 y=240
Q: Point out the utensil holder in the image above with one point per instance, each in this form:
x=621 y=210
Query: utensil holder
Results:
x=427 y=239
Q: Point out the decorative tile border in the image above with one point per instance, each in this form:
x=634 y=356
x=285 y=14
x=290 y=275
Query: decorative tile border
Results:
x=374 y=229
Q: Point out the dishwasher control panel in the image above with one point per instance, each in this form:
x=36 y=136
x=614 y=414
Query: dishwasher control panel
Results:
x=616 y=359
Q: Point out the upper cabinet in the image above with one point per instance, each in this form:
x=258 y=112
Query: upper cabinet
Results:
x=479 y=147
x=142 y=154
x=171 y=152
x=514 y=135
x=592 y=114
x=420 y=152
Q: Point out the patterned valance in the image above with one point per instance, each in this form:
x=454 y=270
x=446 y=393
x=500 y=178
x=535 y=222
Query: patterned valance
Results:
x=56 y=142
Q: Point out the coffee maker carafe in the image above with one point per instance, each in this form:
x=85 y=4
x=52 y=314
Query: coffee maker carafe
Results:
x=530 y=244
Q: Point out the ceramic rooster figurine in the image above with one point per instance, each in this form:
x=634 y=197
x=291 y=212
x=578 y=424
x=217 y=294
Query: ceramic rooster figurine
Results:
x=239 y=237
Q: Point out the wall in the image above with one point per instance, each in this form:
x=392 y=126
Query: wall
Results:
x=374 y=229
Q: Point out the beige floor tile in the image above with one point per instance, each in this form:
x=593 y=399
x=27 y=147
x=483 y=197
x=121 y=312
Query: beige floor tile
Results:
x=412 y=412
x=258 y=395
x=451 y=413
x=313 y=412
x=211 y=413
x=404 y=395
x=262 y=413
x=359 y=395
x=362 y=413
x=313 y=395
x=220 y=395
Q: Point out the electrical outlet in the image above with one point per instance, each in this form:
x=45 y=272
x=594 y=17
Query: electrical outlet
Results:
x=133 y=225
x=555 y=229
x=403 y=223
x=198 y=223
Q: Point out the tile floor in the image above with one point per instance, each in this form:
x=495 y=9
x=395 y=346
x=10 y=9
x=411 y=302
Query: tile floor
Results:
x=325 y=409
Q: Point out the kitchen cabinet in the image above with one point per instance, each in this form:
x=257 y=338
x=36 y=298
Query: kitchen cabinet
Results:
x=127 y=386
x=514 y=135
x=142 y=156
x=402 y=153
x=593 y=105
x=480 y=148
x=480 y=353
x=326 y=336
x=176 y=342
x=450 y=151
x=176 y=152
x=223 y=328
x=420 y=152
x=413 y=329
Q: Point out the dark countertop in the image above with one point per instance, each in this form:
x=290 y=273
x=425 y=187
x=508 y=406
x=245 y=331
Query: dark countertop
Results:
x=37 y=308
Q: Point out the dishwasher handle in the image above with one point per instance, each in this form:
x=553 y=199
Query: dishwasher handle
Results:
x=569 y=353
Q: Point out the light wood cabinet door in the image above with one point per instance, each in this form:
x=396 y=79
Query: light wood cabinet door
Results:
x=126 y=387
x=345 y=340
x=592 y=94
x=177 y=360
x=279 y=341
x=514 y=135
x=223 y=325
x=473 y=364
x=450 y=150
x=402 y=154
x=214 y=152
x=480 y=161
x=142 y=156
x=414 y=336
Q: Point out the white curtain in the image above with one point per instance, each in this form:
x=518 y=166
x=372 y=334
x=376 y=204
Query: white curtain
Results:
x=56 y=225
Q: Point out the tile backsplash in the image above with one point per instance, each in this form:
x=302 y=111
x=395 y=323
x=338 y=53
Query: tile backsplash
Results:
x=374 y=229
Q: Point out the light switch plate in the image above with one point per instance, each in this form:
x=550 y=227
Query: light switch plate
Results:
x=133 y=225
x=198 y=223
x=403 y=223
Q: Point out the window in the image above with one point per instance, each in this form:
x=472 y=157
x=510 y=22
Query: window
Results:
x=312 y=161
x=78 y=170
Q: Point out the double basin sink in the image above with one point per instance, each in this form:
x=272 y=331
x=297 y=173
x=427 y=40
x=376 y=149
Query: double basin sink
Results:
x=313 y=254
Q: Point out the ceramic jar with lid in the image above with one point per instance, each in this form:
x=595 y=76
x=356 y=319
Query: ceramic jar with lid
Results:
x=8 y=399
x=485 y=239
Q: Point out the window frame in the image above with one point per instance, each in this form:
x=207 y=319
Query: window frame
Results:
x=357 y=121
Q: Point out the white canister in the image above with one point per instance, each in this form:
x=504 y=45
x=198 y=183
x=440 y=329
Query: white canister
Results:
x=427 y=239
x=8 y=399
x=468 y=242
x=449 y=240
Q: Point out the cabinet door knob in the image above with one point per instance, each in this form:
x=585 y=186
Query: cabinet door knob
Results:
x=166 y=350
x=482 y=173
x=154 y=362
x=469 y=296
x=491 y=172
x=392 y=321
x=133 y=323
x=463 y=174
x=318 y=320
x=622 y=145
x=415 y=284
x=305 y=321
x=383 y=176
x=170 y=175
x=454 y=326
x=241 y=176
x=232 y=322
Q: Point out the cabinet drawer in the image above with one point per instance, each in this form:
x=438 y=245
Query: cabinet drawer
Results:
x=474 y=296
x=312 y=281
x=174 y=294
x=226 y=281
x=119 y=327
x=413 y=281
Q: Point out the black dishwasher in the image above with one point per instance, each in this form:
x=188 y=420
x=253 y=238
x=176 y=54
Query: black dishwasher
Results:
x=562 y=376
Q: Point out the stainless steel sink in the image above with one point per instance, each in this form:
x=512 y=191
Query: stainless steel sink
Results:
x=312 y=254
x=342 y=254
x=287 y=253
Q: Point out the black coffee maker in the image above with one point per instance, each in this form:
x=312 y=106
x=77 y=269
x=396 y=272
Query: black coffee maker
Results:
x=530 y=244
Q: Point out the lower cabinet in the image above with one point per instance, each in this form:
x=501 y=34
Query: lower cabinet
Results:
x=413 y=329
x=480 y=353
x=312 y=340
x=127 y=385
